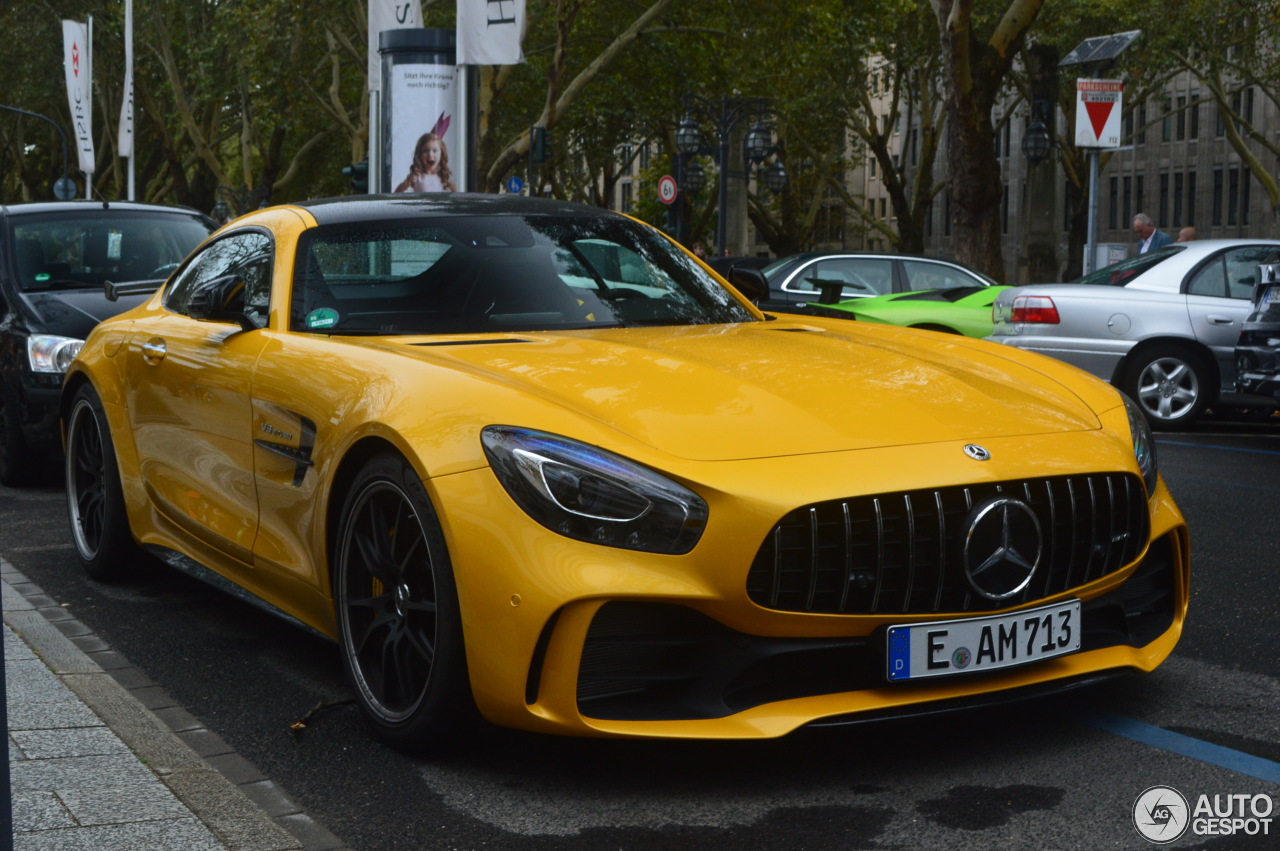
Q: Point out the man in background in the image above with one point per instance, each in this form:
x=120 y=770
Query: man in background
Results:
x=1187 y=234
x=1149 y=237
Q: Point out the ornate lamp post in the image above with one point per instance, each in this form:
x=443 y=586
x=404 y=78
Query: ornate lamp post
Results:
x=724 y=117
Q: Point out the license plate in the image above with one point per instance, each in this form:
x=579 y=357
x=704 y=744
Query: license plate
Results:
x=940 y=648
x=1271 y=295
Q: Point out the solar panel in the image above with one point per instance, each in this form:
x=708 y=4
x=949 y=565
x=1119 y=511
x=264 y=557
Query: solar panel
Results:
x=1095 y=51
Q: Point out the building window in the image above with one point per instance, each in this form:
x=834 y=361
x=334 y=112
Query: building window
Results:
x=1142 y=123
x=1113 y=210
x=644 y=157
x=1181 y=123
x=1217 y=196
x=625 y=206
x=1166 y=121
x=1233 y=195
x=1139 y=194
x=1245 y=179
x=1128 y=202
x=1194 y=131
x=1248 y=105
x=1177 y=199
x=1162 y=215
x=946 y=213
x=1004 y=210
x=1191 y=198
x=871 y=164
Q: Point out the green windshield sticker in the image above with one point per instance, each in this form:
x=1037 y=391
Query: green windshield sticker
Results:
x=323 y=317
x=42 y=276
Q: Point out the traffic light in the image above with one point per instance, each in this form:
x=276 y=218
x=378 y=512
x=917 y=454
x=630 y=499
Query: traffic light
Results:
x=359 y=174
x=541 y=144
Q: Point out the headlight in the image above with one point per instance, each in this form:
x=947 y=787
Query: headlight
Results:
x=592 y=495
x=1144 y=444
x=48 y=353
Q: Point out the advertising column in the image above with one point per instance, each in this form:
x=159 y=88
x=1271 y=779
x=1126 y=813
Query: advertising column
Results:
x=422 y=128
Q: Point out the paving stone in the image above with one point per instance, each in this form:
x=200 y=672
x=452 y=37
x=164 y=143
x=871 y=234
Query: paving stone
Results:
x=187 y=834
x=120 y=805
x=39 y=810
x=80 y=771
x=271 y=798
x=36 y=683
x=50 y=716
x=205 y=742
x=58 y=744
x=179 y=720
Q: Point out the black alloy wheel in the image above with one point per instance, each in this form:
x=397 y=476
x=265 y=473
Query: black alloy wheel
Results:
x=95 y=500
x=398 y=617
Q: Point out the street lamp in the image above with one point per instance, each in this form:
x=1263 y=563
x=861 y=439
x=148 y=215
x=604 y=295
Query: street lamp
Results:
x=1036 y=142
x=695 y=177
x=724 y=117
x=775 y=177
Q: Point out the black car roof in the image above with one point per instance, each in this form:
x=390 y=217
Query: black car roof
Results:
x=357 y=208
x=82 y=206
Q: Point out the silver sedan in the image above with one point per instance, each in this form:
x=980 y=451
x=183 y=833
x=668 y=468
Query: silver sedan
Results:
x=1161 y=326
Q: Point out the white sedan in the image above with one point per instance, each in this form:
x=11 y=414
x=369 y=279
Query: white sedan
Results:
x=1161 y=326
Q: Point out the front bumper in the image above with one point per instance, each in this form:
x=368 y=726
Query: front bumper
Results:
x=568 y=637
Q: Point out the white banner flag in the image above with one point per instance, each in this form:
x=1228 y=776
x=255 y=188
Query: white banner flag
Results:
x=75 y=57
x=388 y=15
x=490 y=32
x=124 y=139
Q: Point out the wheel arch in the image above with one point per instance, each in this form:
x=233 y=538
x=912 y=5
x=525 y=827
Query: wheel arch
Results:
x=1192 y=347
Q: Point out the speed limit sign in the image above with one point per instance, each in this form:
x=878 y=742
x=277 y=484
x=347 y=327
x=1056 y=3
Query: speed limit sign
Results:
x=667 y=189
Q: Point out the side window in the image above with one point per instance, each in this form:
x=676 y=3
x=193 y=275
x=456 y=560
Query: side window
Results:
x=246 y=254
x=1209 y=279
x=866 y=276
x=1242 y=268
x=936 y=276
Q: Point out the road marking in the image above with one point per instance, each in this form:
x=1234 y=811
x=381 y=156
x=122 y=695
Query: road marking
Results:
x=1211 y=446
x=1202 y=751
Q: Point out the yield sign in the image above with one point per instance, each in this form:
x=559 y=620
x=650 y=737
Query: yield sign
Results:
x=1098 y=107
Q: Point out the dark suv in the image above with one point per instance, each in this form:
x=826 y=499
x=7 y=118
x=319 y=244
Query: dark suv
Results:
x=1258 y=351
x=55 y=262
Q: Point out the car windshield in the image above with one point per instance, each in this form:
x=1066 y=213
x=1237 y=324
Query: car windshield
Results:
x=477 y=274
x=86 y=248
x=1119 y=274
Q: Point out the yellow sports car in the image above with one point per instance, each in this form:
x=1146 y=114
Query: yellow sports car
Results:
x=533 y=460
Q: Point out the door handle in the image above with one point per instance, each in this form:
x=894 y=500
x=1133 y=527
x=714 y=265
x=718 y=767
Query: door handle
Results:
x=1218 y=319
x=153 y=350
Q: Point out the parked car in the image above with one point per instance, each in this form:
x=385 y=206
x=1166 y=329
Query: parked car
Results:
x=54 y=261
x=1258 y=350
x=1161 y=326
x=802 y=278
x=531 y=458
x=961 y=310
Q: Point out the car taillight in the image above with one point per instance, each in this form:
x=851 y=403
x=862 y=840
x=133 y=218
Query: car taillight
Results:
x=1035 y=308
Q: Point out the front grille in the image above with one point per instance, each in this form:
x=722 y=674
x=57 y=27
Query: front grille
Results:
x=903 y=553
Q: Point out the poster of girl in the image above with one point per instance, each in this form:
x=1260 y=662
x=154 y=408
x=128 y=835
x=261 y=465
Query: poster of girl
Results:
x=430 y=170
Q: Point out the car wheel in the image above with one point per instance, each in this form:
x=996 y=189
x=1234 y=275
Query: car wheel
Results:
x=399 y=623
x=1170 y=384
x=19 y=463
x=95 y=500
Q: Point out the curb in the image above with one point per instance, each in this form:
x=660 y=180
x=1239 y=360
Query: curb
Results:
x=243 y=808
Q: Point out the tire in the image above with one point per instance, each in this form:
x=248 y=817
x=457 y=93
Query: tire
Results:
x=19 y=463
x=399 y=623
x=1170 y=384
x=95 y=500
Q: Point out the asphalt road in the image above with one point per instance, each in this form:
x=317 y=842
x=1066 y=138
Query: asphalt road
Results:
x=1063 y=773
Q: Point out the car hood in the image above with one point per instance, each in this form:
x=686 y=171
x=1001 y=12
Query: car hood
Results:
x=768 y=389
x=71 y=313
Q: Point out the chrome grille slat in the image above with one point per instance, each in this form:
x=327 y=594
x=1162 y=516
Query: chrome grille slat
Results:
x=878 y=553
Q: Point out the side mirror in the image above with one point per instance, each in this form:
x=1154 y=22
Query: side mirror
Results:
x=750 y=282
x=220 y=300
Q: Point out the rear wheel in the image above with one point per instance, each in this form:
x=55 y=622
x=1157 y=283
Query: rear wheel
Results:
x=95 y=501
x=398 y=617
x=1170 y=384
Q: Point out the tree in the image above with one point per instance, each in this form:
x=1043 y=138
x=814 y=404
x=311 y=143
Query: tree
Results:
x=978 y=52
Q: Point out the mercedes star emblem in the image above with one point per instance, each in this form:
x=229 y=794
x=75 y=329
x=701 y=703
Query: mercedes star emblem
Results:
x=976 y=452
x=1001 y=548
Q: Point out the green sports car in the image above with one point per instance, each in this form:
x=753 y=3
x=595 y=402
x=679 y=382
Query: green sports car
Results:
x=962 y=310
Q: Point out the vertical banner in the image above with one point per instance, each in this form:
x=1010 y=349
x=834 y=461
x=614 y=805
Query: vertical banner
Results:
x=388 y=15
x=75 y=56
x=124 y=138
x=490 y=32
x=424 y=127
